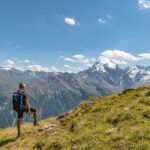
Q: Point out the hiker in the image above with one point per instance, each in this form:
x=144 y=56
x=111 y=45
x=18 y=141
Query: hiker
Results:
x=21 y=104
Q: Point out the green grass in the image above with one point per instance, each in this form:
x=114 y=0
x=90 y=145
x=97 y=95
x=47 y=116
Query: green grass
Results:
x=116 y=122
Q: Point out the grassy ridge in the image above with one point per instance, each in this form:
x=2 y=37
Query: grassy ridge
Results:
x=117 y=122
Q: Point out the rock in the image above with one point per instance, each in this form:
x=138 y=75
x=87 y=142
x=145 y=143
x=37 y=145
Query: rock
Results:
x=54 y=146
x=47 y=127
x=90 y=103
x=72 y=125
x=62 y=116
x=127 y=108
x=112 y=130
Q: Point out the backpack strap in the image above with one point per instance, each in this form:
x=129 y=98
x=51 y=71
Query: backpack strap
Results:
x=21 y=100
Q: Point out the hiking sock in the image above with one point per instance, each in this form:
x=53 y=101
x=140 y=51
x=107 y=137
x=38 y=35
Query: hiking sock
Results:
x=35 y=122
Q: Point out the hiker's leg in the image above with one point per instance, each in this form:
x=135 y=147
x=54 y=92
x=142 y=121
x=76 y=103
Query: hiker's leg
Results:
x=19 y=126
x=35 y=115
x=20 y=116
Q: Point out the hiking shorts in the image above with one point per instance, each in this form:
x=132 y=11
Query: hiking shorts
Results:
x=20 y=113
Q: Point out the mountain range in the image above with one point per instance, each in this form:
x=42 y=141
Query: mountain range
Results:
x=56 y=93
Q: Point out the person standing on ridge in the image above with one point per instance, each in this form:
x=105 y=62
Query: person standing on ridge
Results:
x=21 y=105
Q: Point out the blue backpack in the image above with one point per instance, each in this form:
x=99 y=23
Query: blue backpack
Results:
x=18 y=101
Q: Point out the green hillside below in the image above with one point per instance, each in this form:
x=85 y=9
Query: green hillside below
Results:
x=117 y=122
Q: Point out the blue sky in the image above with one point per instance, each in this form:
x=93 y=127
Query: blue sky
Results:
x=70 y=35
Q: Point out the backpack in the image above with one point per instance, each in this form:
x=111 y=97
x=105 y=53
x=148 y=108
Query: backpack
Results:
x=18 y=102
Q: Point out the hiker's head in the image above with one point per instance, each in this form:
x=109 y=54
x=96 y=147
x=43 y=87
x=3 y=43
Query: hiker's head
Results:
x=22 y=86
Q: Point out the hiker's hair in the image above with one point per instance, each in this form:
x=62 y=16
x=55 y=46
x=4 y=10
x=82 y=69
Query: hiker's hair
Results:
x=22 y=86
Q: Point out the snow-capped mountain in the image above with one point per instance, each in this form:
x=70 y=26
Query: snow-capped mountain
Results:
x=56 y=93
x=139 y=74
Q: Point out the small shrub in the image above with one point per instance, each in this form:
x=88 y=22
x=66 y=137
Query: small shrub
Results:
x=146 y=114
x=147 y=94
x=120 y=117
x=127 y=90
x=39 y=146
x=145 y=101
x=137 y=95
x=142 y=145
x=54 y=146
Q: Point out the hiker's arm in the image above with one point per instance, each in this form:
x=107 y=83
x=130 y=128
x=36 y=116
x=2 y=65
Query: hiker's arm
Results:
x=27 y=105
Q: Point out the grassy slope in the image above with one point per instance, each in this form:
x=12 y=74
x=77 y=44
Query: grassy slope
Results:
x=117 y=122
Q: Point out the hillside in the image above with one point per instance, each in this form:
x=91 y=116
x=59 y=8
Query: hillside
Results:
x=117 y=122
x=56 y=93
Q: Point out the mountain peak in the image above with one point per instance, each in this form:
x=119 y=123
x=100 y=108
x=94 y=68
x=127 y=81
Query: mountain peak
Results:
x=103 y=65
x=109 y=63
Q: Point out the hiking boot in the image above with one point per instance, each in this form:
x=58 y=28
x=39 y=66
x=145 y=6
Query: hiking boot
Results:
x=35 y=123
x=19 y=135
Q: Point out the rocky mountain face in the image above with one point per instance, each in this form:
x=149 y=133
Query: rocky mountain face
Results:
x=139 y=74
x=55 y=93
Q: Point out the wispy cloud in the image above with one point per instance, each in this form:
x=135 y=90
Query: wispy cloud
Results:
x=109 y=16
x=67 y=59
x=72 y=69
x=79 y=58
x=144 y=4
x=104 y=20
x=26 y=61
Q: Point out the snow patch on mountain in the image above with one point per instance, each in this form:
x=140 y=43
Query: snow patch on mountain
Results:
x=108 y=63
x=99 y=67
x=133 y=72
x=139 y=74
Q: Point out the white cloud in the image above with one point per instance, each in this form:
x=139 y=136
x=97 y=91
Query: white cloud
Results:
x=40 y=68
x=70 y=21
x=67 y=59
x=68 y=66
x=144 y=56
x=109 y=16
x=24 y=61
x=72 y=69
x=111 y=62
x=9 y=63
x=54 y=69
x=102 y=21
x=144 y=4
x=119 y=55
x=37 y=68
x=23 y=65
x=79 y=58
